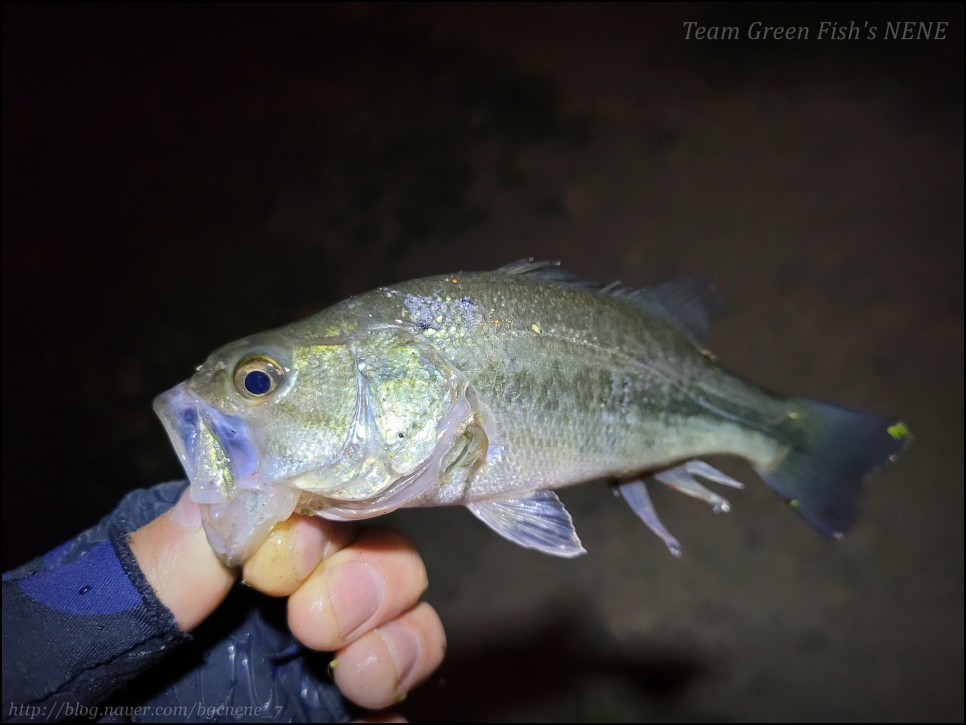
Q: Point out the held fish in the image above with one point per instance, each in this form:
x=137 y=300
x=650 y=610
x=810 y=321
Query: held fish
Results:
x=489 y=390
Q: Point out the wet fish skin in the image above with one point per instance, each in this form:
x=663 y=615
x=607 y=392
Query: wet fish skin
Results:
x=579 y=388
x=487 y=390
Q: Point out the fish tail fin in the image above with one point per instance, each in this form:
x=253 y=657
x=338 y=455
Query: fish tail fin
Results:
x=822 y=476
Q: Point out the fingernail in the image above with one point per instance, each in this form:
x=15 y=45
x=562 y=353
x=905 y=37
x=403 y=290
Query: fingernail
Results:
x=357 y=592
x=186 y=513
x=309 y=540
x=404 y=646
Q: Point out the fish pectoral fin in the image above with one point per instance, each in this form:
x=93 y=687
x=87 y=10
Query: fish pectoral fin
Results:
x=539 y=521
x=682 y=478
x=469 y=449
x=637 y=497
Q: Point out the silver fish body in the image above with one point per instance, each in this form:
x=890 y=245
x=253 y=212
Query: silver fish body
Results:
x=489 y=390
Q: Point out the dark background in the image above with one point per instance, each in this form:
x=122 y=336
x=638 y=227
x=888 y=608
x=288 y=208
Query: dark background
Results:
x=175 y=177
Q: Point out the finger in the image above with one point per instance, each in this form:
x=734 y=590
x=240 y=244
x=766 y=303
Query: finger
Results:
x=383 y=665
x=292 y=551
x=367 y=583
x=174 y=554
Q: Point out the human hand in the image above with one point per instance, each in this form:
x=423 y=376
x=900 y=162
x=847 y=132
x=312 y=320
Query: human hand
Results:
x=351 y=591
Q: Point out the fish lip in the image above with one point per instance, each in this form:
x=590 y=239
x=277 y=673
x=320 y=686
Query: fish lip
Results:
x=215 y=449
x=180 y=416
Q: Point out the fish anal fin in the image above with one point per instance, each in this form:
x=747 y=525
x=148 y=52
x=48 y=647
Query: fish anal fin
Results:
x=636 y=495
x=683 y=479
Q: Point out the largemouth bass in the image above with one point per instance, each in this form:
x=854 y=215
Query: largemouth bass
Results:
x=489 y=390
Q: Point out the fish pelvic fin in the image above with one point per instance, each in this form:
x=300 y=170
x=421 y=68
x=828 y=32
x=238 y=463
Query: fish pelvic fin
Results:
x=822 y=476
x=538 y=521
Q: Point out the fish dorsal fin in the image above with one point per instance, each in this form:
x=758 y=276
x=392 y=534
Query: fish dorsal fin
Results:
x=525 y=265
x=550 y=271
x=538 y=521
x=528 y=265
x=688 y=304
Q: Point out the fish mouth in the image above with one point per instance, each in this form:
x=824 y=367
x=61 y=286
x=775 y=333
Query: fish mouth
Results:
x=215 y=449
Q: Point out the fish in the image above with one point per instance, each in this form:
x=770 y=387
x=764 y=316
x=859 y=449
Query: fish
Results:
x=491 y=390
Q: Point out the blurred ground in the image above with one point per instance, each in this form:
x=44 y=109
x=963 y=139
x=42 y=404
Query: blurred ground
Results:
x=175 y=177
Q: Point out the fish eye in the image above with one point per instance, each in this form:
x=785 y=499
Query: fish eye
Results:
x=258 y=376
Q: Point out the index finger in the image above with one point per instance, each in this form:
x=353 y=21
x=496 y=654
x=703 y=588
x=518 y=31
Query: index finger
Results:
x=293 y=551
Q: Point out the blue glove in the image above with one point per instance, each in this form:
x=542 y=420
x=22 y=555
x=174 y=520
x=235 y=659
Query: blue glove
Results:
x=84 y=636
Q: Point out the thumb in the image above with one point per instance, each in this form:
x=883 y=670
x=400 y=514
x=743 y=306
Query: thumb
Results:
x=184 y=572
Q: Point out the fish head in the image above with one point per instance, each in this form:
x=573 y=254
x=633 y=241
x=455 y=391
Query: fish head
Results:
x=343 y=426
x=258 y=414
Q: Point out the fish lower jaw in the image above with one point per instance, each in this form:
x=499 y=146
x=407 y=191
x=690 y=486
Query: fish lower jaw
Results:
x=355 y=489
